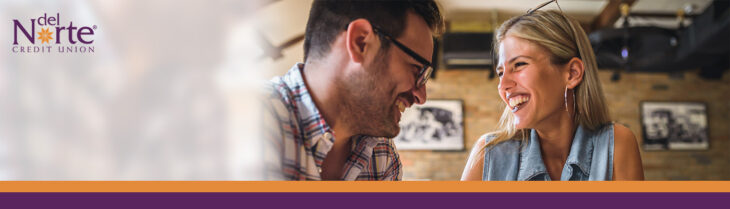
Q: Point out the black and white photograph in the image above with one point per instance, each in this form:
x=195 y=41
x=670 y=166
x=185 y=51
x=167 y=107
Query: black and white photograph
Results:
x=674 y=125
x=435 y=125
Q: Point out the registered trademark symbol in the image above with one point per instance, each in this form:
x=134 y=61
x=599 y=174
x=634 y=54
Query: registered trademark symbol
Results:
x=94 y=27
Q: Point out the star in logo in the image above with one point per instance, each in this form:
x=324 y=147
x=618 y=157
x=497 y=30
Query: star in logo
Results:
x=45 y=35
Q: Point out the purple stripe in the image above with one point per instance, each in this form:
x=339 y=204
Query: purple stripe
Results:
x=363 y=200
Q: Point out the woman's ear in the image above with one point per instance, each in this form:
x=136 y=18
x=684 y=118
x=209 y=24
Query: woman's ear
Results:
x=359 y=39
x=576 y=69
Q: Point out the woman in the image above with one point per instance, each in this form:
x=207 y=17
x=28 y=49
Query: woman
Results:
x=556 y=123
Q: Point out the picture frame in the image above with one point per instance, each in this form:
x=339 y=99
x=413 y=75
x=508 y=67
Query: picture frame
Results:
x=435 y=125
x=674 y=125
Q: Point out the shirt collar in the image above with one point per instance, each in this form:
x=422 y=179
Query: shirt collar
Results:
x=531 y=164
x=580 y=156
x=313 y=126
x=581 y=151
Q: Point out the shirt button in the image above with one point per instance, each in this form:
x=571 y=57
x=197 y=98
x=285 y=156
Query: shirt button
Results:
x=327 y=135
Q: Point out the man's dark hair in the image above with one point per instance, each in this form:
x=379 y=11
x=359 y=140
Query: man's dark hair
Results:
x=328 y=18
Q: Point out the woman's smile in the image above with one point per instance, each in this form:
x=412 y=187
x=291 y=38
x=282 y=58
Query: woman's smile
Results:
x=517 y=102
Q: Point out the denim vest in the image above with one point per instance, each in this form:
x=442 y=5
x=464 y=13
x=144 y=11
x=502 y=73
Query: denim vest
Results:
x=590 y=158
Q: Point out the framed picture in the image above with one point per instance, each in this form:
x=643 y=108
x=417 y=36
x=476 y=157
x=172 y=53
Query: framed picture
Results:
x=435 y=125
x=674 y=126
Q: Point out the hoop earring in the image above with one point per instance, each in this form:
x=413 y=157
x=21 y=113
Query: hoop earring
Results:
x=565 y=97
x=575 y=107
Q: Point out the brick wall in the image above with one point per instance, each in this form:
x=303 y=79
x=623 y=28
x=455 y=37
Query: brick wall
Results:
x=482 y=108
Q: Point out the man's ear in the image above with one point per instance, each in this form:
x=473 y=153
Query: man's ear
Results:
x=576 y=69
x=360 y=38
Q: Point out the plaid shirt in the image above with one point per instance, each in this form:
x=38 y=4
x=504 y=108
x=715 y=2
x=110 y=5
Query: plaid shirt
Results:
x=300 y=138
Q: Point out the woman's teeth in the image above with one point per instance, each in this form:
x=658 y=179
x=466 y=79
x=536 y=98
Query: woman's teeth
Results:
x=515 y=101
x=401 y=106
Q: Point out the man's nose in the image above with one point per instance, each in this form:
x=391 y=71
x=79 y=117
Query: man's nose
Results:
x=420 y=94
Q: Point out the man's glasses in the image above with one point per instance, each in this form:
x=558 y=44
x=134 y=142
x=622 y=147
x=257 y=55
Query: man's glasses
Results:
x=426 y=70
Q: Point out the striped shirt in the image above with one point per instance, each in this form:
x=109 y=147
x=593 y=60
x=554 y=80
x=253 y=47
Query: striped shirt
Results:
x=300 y=138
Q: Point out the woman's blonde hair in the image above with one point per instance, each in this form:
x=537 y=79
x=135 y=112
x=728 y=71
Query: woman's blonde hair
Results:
x=564 y=39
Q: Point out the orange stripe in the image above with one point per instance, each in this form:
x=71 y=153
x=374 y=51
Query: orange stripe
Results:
x=413 y=186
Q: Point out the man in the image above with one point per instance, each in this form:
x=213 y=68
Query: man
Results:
x=332 y=117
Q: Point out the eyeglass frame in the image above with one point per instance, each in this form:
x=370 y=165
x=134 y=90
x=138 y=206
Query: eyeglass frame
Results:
x=425 y=73
x=529 y=12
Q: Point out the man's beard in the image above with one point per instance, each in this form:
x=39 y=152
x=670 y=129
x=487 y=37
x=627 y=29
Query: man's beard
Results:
x=368 y=98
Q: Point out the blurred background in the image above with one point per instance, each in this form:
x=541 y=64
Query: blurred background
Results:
x=166 y=94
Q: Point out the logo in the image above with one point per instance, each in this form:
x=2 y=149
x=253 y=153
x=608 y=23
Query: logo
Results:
x=48 y=34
